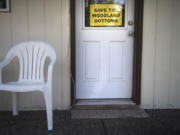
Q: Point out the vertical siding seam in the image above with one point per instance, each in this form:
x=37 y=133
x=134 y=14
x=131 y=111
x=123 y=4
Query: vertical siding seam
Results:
x=65 y=46
x=69 y=49
x=45 y=11
x=11 y=25
x=27 y=20
x=170 y=57
x=62 y=67
x=59 y=105
x=155 y=54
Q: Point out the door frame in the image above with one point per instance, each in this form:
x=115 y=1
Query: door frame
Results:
x=137 y=53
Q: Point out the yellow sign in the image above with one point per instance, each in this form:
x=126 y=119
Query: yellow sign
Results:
x=105 y=15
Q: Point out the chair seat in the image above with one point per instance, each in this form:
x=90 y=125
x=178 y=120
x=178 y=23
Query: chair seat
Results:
x=22 y=87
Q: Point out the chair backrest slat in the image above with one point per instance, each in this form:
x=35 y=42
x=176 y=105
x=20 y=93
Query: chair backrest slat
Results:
x=41 y=68
x=24 y=62
x=21 y=73
x=35 y=56
x=30 y=61
x=32 y=56
x=38 y=60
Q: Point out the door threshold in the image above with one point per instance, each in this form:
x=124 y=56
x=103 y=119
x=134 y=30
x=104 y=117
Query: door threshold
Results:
x=96 y=104
x=105 y=102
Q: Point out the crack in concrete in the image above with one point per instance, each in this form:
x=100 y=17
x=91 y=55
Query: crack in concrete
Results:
x=104 y=127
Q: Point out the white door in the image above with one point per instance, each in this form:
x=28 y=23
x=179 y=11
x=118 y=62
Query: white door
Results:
x=104 y=48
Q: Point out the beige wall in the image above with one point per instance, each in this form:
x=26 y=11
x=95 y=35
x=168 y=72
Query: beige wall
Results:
x=48 y=20
x=161 y=57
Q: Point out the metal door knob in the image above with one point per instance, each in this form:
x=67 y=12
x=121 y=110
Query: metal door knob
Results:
x=130 y=22
x=131 y=33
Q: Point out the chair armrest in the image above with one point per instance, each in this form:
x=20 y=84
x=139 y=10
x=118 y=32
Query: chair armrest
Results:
x=50 y=72
x=3 y=63
x=0 y=75
x=6 y=61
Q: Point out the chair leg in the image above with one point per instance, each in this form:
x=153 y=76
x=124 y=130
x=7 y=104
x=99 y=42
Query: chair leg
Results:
x=49 y=112
x=15 y=103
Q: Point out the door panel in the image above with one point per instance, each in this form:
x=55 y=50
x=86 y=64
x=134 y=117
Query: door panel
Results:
x=104 y=55
x=116 y=61
x=90 y=61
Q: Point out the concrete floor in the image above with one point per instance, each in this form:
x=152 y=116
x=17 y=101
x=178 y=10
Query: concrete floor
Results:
x=160 y=122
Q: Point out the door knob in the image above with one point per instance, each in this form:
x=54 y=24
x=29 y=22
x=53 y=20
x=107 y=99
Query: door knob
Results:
x=131 y=33
x=130 y=22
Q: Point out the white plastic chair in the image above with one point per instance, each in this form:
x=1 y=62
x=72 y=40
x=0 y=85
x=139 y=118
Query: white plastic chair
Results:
x=32 y=56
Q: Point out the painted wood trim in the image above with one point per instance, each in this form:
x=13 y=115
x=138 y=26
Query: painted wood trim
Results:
x=73 y=52
x=137 y=62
